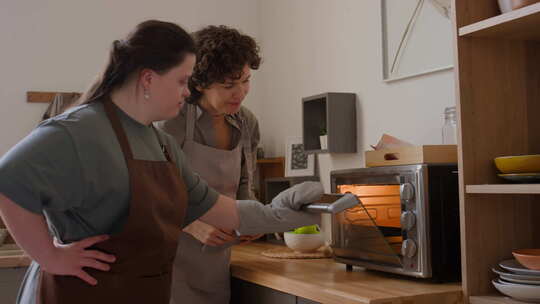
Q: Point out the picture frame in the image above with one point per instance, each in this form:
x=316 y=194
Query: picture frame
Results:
x=297 y=162
x=417 y=38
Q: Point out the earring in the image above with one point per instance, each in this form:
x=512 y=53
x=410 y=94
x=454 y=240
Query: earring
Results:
x=146 y=95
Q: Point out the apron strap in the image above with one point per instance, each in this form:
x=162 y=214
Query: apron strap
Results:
x=246 y=149
x=190 y=121
x=117 y=127
x=162 y=146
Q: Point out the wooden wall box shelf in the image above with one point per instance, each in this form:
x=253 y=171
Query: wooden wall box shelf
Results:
x=427 y=154
x=42 y=97
x=336 y=114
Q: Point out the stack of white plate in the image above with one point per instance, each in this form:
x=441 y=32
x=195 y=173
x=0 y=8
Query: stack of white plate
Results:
x=517 y=281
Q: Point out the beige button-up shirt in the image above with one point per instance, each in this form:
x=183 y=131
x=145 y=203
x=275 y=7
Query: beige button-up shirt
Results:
x=205 y=134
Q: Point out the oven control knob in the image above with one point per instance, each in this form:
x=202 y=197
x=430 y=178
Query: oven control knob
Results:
x=406 y=191
x=408 y=219
x=408 y=248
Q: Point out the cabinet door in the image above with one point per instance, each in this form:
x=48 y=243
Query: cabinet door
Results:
x=300 y=300
x=248 y=293
x=10 y=280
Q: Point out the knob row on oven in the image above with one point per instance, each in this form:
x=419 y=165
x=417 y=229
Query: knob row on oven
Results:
x=408 y=220
x=406 y=191
x=408 y=248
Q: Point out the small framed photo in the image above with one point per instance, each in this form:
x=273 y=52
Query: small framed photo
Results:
x=297 y=162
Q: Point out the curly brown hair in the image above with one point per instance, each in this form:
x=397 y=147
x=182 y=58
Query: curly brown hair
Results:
x=222 y=52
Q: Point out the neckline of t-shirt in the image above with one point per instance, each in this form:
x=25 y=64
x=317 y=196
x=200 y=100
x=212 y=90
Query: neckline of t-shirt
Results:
x=125 y=117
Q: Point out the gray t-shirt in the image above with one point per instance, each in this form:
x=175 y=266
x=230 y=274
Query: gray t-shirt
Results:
x=71 y=169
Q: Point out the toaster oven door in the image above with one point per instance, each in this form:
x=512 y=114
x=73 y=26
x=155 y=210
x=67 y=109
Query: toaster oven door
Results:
x=371 y=231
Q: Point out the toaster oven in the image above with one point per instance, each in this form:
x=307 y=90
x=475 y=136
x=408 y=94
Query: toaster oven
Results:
x=407 y=221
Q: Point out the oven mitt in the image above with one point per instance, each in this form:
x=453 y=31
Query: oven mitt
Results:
x=282 y=214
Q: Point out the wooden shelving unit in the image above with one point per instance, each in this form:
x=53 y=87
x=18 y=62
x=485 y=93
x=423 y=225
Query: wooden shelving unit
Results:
x=268 y=168
x=498 y=102
x=504 y=189
x=518 y=24
x=493 y=299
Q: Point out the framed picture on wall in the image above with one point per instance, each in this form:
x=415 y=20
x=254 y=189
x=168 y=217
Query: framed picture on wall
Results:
x=297 y=162
x=416 y=37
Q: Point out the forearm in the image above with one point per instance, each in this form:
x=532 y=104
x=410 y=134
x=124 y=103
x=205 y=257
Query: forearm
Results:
x=28 y=229
x=252 y=217
x=256 y=218
x=224 y=214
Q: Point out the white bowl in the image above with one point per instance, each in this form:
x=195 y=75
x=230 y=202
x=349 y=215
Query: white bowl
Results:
x=505 y=6
x=303 y=242
x=527 y=293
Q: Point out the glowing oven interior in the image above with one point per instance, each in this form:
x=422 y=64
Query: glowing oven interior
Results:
x=381 y=207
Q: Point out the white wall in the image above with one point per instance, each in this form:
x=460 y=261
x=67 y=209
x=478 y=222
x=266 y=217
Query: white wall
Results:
x=315 y=46
x=60 y=45
x=309 y=47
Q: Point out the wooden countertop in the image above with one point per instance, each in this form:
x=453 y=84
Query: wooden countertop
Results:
x=12 y=256
x=325 y=281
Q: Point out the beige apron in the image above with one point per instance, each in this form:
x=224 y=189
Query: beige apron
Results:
x=201 y=273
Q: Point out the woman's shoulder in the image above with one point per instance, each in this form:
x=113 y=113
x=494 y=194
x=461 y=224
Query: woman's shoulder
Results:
x=246 y=115
x=80 y=116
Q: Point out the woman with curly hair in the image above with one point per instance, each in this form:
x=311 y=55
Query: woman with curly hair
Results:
x=219 y=137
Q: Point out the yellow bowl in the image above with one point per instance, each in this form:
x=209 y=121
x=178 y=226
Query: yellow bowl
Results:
x=518 y=164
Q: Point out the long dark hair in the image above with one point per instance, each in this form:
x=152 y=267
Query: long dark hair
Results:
x=153 y=44
x=222 y=52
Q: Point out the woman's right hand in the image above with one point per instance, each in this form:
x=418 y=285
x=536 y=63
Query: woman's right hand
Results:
x=208 y=234
x=70 y=259
x=298 y=195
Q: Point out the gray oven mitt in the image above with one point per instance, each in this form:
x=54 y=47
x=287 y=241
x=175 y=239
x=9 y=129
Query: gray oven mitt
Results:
x=282 y=214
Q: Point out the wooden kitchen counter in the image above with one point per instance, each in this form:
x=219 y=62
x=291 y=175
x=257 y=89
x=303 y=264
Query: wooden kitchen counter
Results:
x=12 y=256
x=325 y=281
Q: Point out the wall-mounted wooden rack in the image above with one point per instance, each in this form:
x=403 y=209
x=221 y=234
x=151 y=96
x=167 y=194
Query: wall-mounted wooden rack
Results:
x=43 y=97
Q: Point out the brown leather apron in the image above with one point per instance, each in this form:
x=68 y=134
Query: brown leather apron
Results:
x=144 y=249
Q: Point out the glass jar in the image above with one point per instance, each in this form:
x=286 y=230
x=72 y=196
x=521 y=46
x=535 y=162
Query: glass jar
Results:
x=449 y=133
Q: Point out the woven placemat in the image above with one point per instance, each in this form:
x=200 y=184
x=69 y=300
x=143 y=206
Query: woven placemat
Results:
x=287 y=253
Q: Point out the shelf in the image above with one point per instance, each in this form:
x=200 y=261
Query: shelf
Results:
x=275 y=160
x=523 y=24
x=334 y=114
x=504 y=189
x=492 y=299
x=47 y=97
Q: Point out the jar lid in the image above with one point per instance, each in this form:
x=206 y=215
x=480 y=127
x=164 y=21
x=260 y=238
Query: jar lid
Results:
x=449 y=110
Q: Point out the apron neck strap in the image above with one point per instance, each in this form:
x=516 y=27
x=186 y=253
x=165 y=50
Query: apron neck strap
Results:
x=117 y=127
x=163 y=146
x=191 y=117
